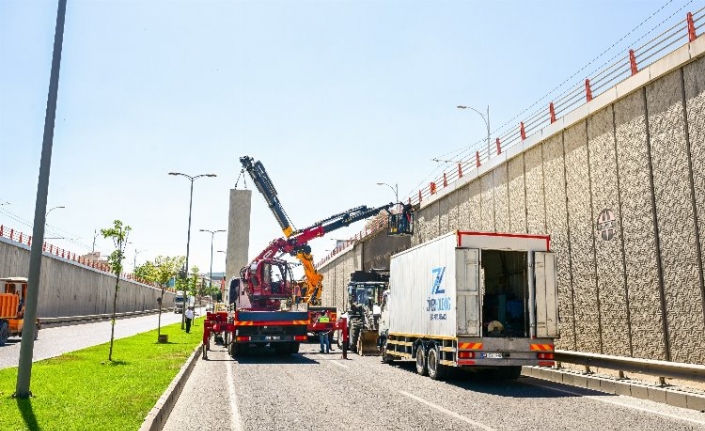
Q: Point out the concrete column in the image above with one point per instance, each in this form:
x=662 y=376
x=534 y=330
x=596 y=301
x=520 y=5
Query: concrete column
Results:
x=238 y=234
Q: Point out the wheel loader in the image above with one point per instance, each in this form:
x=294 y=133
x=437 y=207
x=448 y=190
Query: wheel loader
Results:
x=363 y=308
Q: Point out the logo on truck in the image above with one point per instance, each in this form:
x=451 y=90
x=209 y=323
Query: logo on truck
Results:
x=437 y=303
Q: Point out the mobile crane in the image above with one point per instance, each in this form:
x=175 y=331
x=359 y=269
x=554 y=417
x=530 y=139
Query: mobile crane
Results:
x=264 y=292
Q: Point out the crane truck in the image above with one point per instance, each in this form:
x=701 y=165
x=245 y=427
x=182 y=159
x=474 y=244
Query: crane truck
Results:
x=265 y=309
x=472 y=300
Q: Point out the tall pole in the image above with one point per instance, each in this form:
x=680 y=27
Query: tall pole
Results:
x=487 y=123
x=188 y=237
x=24 y=372
x=212 y=232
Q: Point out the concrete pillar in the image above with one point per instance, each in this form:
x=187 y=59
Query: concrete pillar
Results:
x=238 y=234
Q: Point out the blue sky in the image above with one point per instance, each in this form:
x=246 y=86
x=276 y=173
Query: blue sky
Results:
x=332 y=96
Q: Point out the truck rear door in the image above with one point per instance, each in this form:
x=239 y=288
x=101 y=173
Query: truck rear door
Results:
x=469 y=318
x=546 y=295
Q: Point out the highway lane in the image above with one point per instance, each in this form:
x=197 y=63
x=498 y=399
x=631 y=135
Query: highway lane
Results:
x=58 y=340
x=313 y=391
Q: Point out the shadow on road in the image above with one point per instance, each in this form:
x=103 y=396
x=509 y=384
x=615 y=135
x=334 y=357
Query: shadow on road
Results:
x=524 y=387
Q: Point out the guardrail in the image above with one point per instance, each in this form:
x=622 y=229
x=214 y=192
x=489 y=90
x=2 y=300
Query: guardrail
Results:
x=627 y=65
x=650 y=367
x=65 y=320
x=20 y=237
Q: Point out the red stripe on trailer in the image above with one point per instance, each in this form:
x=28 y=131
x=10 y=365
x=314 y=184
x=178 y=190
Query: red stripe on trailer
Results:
x=508 y=235
x=466 y=362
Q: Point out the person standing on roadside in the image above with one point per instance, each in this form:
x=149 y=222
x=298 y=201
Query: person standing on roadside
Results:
x=189 y=318
x=324 y=319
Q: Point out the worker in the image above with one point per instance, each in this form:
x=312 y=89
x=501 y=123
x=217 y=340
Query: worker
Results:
x=323 y=320
x=297 y=293
x=189 y=318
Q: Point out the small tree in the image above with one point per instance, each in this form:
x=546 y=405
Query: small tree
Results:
x=166 y=268
x=118 y=233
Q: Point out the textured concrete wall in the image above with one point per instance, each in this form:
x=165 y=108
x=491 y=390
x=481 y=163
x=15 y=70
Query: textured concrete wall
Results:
x=67 y=288
x=621 y=191
x=236 y=256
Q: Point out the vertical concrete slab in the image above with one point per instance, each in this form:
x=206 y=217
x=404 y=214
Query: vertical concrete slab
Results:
x=608 y=243
x=463 y=203
x=694 y=77
x=487 y=199
x=475 y=200
x=517 y=195
x=637 y=228
x=675 y=216
x=535 y=200
x=238 y=232
x=447 y=212
x=427 y=223
x=546 y=200
x=582 y=257
x=501 y=198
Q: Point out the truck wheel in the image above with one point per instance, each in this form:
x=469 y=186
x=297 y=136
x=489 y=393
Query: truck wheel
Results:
x=436 y=371
x=235 y=350
x=387 y=359
x=294 y=347
x=4 y=332
x=421 y=366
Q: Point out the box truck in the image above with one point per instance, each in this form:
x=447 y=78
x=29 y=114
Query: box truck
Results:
x=472 y=300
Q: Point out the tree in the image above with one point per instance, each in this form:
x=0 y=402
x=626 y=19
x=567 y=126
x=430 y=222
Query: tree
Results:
x=118 y=233
x=147 y=272
x=165 y=268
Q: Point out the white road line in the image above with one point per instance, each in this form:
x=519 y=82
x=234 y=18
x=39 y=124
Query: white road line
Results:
x=235 y=423
x=617 y=403
x=339 y=364
x=448 y=412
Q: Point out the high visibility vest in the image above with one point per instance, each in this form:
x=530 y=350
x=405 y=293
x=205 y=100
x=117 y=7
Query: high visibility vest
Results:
x=323 y=319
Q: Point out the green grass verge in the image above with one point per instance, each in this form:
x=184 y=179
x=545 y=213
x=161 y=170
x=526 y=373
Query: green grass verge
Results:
x=81 y=390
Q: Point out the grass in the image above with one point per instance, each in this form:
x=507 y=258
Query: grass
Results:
x=82 y=390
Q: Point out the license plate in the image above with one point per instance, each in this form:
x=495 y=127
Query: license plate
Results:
x=271 y=337
x=492 y=355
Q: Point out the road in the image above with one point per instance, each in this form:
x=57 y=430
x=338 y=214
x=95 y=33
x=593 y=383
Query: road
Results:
x=58 y=340
x=313 y=391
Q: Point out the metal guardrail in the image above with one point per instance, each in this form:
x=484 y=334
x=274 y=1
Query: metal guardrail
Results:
x=650 y=367
x=66 y=320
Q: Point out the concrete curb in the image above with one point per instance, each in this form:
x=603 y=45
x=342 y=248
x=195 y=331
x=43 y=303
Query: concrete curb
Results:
x=673 y=396
x=159 y=414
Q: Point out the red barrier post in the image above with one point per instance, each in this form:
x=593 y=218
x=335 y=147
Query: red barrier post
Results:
x=419 y=196
x=588 y=91
x=432 y=186
x=460 y=171
x=344 y=322
x=499 y=147
x=553 y=112
x=632 y=62
x=477 y=159
x=445 y=180
x=691 y=27
x=522 y=130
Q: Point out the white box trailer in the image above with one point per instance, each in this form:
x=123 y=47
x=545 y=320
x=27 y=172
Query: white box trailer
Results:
x=472 y=299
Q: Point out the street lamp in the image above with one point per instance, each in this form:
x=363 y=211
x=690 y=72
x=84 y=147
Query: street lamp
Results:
x=188 y=237
x=395 y=189
x=212 y=232
x=52 y=209
x=134 y=264
x=485 y=119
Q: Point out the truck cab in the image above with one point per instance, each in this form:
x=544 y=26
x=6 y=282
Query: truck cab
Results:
x=12 y=303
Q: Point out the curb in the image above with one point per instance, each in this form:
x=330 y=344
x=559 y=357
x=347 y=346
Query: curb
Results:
x=668 y=395
x=157 y=417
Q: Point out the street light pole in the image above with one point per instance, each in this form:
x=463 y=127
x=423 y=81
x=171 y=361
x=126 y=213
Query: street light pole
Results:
x=485 y=119
x=188 y=237
x=52 y=209
x=134 y=264
x=212 y=232
x=395 y=189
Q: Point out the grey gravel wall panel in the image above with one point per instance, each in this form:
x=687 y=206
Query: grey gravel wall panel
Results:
x=449 y=213
x=501 y=198
x=694 y=77
x=463 y=208
x=475 y=207
x=608 y=244
x=487 y=208
x=585 y=298
x=674 y=212
x=637 y=225
x=517 y=195
x=546 y=193
x=535 y=199
x=236 y=256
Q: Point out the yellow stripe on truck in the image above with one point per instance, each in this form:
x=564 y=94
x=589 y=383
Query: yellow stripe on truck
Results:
x=470 y=346
x=541 y=347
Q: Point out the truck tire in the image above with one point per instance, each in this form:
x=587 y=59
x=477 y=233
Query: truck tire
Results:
x=4 y=332
x=421 y=364
x=355 y=329
x=436 y=371
x=387 y=359
x=294 y=348
x=235 y=350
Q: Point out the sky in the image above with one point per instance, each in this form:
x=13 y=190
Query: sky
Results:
x=332 y=96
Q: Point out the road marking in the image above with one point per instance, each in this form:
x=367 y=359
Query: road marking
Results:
x=615 y=402
x=235 y=417
x=339 y=364
x=448 y=412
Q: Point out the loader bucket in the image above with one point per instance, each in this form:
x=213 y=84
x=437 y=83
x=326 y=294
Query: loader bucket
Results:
x=367 y=343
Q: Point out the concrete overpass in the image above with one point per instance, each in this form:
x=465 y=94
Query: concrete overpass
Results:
x=618 y=182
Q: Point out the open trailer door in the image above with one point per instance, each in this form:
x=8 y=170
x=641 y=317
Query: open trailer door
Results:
x=546 y=295
x=467 y=263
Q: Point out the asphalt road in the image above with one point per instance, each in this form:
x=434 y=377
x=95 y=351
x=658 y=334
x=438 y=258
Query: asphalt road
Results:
x=58 y=340
x=313 y=391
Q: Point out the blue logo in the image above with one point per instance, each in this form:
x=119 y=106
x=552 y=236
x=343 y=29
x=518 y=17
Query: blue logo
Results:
x=436 y=288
